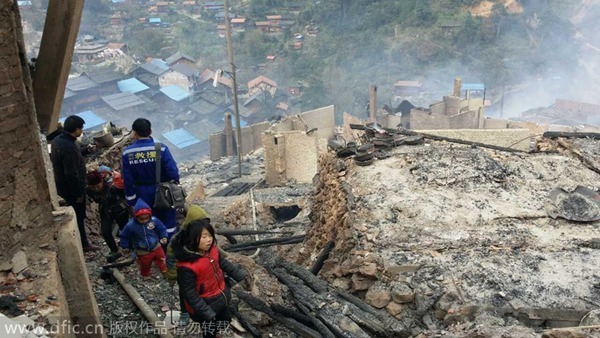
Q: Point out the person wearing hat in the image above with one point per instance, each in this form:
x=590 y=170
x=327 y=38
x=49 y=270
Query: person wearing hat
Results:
x=112 y=208
x=112 y=177
x=145 y=233
x=194 y=213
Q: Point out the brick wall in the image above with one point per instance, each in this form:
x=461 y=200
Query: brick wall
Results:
x=25 y=206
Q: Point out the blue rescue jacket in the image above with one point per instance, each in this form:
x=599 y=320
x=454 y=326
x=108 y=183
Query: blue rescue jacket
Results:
x=142 y=237
x=139 y=170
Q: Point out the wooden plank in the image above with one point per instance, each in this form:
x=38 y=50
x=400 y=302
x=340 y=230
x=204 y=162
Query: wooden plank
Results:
x=63 y=18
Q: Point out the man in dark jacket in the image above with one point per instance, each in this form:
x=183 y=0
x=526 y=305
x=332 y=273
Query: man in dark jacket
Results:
x=139 y=172
x=69 y=172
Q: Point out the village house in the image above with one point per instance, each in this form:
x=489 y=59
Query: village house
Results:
x=260 y=84
x=180 y=58
x=149 y=72
x=181 y=142
x=171 y=98
x=213 y=6
x=116 y=48
x=87 y=52
x=180 y=74
x=122 y=108
x=162 y=6
x=238 y=24
x=206 y=78
x=131 y=85
x=264 y=26
x=105 y=78
x=79 y=93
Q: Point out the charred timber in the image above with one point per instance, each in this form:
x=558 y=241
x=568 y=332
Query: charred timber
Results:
x=292 y=324
x=318 y=265
x=557 y=134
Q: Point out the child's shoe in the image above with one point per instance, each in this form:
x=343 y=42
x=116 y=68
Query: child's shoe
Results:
x=184 y=319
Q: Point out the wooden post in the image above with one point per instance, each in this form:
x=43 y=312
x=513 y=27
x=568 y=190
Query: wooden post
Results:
x=373 y=103
x=54 y=60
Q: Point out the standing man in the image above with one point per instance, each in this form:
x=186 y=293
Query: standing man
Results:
x=69 y=172
x=139 y=172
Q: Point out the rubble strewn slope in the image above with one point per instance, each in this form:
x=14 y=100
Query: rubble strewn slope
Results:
x=439 y=231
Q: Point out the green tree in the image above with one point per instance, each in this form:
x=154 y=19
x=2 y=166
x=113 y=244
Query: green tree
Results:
x=148 y=42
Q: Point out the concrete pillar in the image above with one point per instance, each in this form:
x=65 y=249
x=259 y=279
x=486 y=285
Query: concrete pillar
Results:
x=373 y=103
x=80 y=297
x=228 y=131
x=54 y=60
x=457 y=87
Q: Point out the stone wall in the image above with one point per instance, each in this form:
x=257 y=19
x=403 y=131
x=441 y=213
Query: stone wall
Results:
x=25 y=205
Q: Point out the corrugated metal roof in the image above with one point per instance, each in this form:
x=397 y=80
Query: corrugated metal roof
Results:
x=103 y=75
x=132 y=85
x=81 y=82
x=175 y=93
x=186 y=70
x=154 y=20
x=155 y=67
x=473 y=86
x=181 y=138
x=203 y=129
x=91 y=120
x=122 y=100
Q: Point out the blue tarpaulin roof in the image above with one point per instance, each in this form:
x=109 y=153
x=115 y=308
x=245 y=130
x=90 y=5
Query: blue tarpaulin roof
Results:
x=132 y=85
x=154 y=20
x=181 y=138
x=242 y=122
x=473 y=86
x=91 y=120
x=176 y=93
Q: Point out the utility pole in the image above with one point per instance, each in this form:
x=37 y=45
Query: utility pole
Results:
x=238 y=130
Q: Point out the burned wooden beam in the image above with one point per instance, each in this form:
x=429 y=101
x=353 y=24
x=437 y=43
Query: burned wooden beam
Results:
x=235 y=232
x=459 y=141
x=565 y=134
x=292 y=324
x=263 y=243
x=318 y=264
x=244 y=322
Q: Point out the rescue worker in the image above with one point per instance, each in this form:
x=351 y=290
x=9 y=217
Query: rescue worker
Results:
x=139 y=172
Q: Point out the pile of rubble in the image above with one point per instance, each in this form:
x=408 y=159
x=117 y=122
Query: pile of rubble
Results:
x=440 y=234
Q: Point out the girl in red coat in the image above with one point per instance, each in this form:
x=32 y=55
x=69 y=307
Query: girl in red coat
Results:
x=201 y=273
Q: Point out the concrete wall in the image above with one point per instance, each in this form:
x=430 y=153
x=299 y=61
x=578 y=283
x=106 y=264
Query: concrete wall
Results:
x=290 y=155
x=251 y=140
x=420 y=119
x=513 y=138
x=25 y=207
x=322 y=118
x=495 y=124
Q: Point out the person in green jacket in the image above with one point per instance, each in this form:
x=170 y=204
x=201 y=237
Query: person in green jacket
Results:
x=194 y=213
